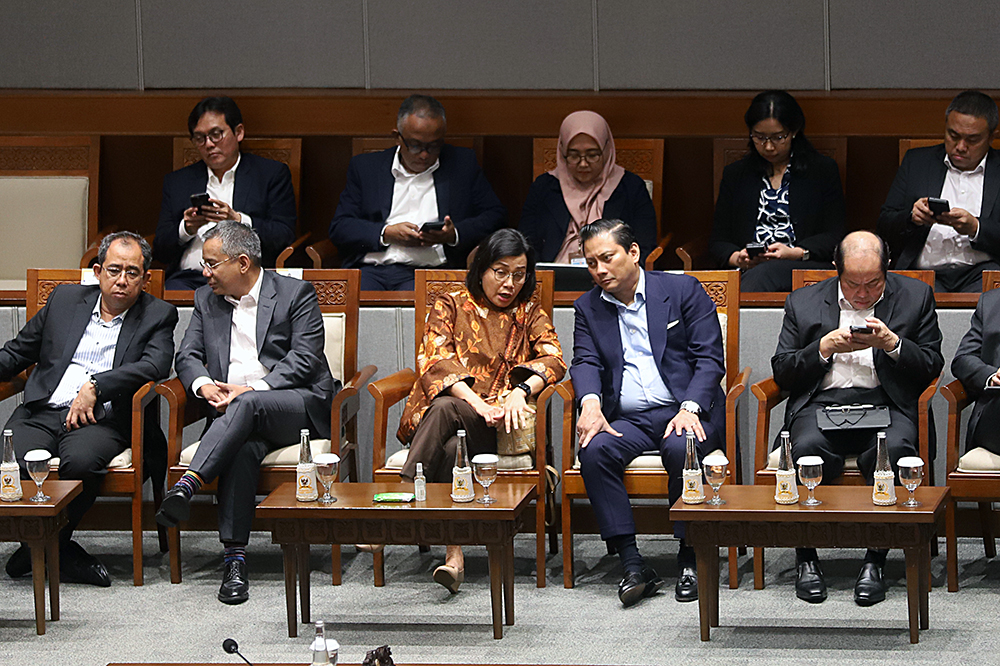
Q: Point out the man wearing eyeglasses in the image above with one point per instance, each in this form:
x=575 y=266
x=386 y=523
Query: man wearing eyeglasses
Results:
x=252 y=190
x=422 y=204
x=92 y=348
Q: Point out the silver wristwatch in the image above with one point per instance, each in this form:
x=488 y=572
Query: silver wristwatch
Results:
x=691 y=406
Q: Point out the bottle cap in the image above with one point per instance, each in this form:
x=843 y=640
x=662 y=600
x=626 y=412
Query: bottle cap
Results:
x=420 y=468
x=304 y=432
x=461 y=433
x=8 y=433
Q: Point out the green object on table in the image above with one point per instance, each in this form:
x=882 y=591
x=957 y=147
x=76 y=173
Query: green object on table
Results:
x=394 y=497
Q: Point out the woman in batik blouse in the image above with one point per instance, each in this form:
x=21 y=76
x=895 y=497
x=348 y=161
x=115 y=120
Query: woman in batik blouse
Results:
x=487 y=349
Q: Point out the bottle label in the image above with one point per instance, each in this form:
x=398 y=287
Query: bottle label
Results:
x=785 y=489
x=305 y=488
x=461 y=485
x=884 y=490
x=694 y=490
x=420 y=489
x=10 y=482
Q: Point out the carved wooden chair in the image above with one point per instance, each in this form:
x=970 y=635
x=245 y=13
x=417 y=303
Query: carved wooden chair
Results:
x=337 y=291
x=645 y=476
x=128 y=470
x=769 y=395
x=396 y=387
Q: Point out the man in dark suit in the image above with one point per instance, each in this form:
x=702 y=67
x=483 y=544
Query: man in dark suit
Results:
x=253 y=353
x=246 y=188
x=821 y=362
x=647 y=366
x=961 y=239
x=977 y=366
x=92 y=348
x=419 y=205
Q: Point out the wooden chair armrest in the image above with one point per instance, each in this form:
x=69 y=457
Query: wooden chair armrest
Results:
x=566 y=392
x=658 y=251
x=323 y=253
x=178 y=415
x=542 y=429
x=769 y=395
x=290 y=250
x=690 y=251
x=958 y=400
x=923 y=421
x=387 y=392
x=140 y=400
x=345 y=406
x=733 y=395
x=14 y=386
x=89 y=257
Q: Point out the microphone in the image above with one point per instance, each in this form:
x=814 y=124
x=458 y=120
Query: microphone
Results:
x=232 y=647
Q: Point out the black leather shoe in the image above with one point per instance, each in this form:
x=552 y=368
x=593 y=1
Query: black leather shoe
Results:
x=638 y=585
x=235 y=587
x=870 y=588
x=78 y=566
x=809 y=583
x=19 y=563
x=174 y=508
x=687 y=584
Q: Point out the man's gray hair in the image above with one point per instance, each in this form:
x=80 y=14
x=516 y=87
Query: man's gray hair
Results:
x=128 y=237
x=237 y=239
x=421 y=105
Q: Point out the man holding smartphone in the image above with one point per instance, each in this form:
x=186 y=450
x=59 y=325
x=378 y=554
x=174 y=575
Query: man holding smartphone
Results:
x=226 y=184
x=943 y=209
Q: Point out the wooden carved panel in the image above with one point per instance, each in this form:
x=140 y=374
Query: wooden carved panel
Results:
x=439 y=288
x=639 y=160
x=331 y=292
x=45 y=288
x=282 y=155
x=814 y=534
x=717 y=292
x=394 y=530
x=44 y=158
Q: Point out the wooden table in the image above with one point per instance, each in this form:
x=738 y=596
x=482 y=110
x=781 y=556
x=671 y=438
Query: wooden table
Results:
x=38 y=525
x=355 y=518
x=846 y=519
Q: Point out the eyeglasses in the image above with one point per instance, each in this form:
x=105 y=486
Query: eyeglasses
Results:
x=777 y=139
x=415 y=147
x=215 y=135
x=591 y=157
x=131 y=274
x=211 y=267
x=502 y=274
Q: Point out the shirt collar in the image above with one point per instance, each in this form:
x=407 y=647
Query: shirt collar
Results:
x=401 y=171
x=980 y=168
x=637 y=300
x=96 y=312
x=253 y=295
x=231 y=173
x=846 y=304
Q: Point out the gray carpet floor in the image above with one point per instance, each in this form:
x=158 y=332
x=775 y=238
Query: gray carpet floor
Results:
x=424 y=623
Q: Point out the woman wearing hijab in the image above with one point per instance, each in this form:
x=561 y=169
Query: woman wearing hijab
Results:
x=585 y=186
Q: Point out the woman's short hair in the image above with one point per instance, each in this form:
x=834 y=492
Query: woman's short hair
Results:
x=781 y=106
x=499 y=245
x=620 y=232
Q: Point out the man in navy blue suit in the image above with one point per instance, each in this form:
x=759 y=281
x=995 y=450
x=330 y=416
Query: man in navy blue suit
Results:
x=423 y=204
x=246 y=188
x=647 y=367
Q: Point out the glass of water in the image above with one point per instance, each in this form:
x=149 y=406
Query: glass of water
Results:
x=715 y=473
x=37 y=462
x=484 y=466
x=911 y=473
x=811 y=475
x=327 y=465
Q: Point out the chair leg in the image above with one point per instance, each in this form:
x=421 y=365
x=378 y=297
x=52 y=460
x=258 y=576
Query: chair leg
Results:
x=734 y=569
x=379 y=568
x=161 y=531
x=951 y=542
x=174 y=542
x=423 y=548
x=335 y=564
x=758 y=568
x=137 y=538
x=540 y=540
x=567 y=542
x=986 y=520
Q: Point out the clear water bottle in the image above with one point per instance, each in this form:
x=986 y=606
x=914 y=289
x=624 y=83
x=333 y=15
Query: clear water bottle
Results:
x=420 y=484
x=884 y=490
x=694 y=488
x=320 y=655
x=305 y=472
x=461 y=473
x=10 y=473
x=786 y=491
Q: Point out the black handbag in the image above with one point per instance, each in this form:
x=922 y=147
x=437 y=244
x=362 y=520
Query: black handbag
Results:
x=850 y=417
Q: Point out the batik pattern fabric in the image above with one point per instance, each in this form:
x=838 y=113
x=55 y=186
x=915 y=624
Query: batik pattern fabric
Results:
x=774 y=224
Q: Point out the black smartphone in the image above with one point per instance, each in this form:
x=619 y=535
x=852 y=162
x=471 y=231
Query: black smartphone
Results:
x=938 y=206
x=199 y=200
x=861 y=329
x=756 y=249
x=433 y=226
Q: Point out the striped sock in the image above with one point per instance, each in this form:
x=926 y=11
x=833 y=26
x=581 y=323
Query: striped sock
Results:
x=235 y=553
x=190 y=483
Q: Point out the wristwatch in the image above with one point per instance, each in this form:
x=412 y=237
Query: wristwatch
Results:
x=805 y=254
x=97 y=389
x=524 y=387
x=691 y=406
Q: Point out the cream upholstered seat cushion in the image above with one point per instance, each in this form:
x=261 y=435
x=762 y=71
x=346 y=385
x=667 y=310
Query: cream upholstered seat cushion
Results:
x=979 y=460
x=283 y=457
x=334 y=325
x=648 y=460
x=120 y=461
x=507 y=463
x=850 y=462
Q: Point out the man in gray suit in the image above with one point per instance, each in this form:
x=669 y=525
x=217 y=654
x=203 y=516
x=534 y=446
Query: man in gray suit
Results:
x=977 y=366
x=253 y=353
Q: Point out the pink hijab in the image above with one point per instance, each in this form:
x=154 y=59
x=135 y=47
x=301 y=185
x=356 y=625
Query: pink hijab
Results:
x=584 y=201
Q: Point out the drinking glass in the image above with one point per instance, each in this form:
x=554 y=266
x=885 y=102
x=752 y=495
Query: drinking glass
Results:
x=811 y=474
x=326 y=472
x=715 y=472
x=911 y=473
x=37 y=461
x=484 y=466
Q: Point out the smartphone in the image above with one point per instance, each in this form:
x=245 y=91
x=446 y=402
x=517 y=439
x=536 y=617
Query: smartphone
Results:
x=432 y=226
x=861 y=329
x=938 y=206
x=756 y=249
x=199 y=200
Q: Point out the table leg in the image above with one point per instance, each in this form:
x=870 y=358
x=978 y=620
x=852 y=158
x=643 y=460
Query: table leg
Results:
x=913 y=584
x=508 y=582
x=303 y=567
x=288 y=552
x=38 y=578
x=925 y=584
x=713 y=581
x=495 y=553
x=703 y=558
x=52 y=563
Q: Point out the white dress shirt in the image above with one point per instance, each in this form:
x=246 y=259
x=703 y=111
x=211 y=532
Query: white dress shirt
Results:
x=221 y=190
x=853 y=369
x=414 y=200
x=945 y=246
x=95 y=353
x=245 y=368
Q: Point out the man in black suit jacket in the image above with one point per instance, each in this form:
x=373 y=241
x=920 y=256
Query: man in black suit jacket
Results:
x=254 y=353
x=92 y=348
x=242 y=187
x=977 y=366
x=379 y=225
x=964 y=240
x=820 y=362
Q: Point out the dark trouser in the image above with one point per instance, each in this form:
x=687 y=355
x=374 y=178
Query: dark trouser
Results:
x=233 y=447
x=83 y=453
x=967 y=279
x=388 y=277
x=986 y=432
x=833 y=445
x=435 y=442
x=603 y=462
x=185 y=279
x=776 y=274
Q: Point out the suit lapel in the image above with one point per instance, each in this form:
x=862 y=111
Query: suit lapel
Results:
x=991 y=183
x=937 y=174
x=657 y=319
x=831 y=309
x=129 y=327
x=441 y=192
x=609 y=340
x=241 y=186
x=884 y=308
x=219 y=326
x=265 y=308
x=81 y=317
x=386 y=183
